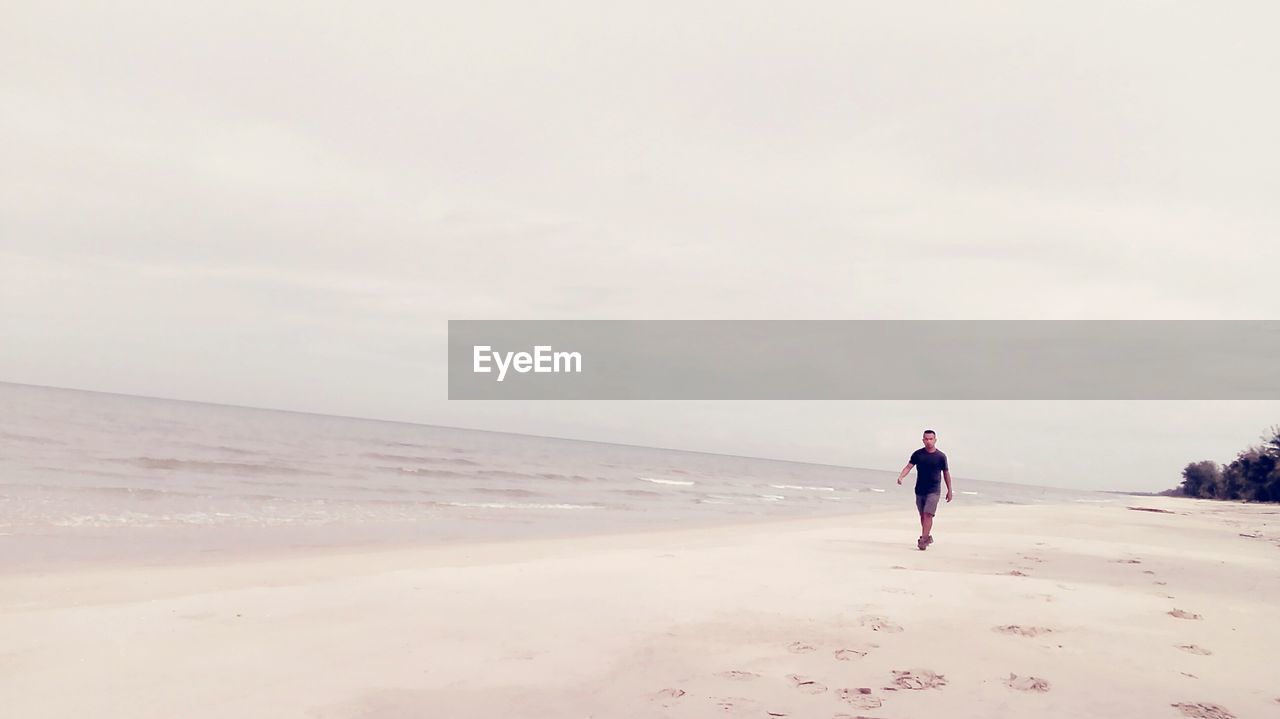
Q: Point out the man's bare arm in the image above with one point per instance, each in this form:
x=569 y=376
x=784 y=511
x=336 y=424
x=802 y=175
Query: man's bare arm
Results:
x=907 y=469
x=946 y=475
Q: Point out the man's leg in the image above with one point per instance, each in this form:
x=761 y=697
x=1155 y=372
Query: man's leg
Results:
x=927 y=512
x=920 y=511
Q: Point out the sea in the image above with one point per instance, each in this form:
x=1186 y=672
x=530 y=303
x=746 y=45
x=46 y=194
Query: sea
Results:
x=91 y=477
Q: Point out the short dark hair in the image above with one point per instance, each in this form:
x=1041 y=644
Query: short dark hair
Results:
x=929 y=431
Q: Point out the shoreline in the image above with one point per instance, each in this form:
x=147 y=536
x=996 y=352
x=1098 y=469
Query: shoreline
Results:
x=629 y=536
x=206 y=557
x=123 y=546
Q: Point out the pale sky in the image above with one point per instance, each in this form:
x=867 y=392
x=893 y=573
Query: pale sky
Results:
x=282 y=204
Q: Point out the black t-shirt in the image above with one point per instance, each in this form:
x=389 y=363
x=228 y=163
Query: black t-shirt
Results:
x=929 y=466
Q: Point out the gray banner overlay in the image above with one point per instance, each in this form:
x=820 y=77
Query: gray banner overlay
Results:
x=863 y=359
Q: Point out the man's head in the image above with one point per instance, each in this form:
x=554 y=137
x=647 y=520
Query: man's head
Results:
x=930 y=438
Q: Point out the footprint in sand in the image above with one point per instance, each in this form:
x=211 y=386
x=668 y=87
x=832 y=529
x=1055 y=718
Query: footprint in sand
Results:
x=738 y=675
x=879 y=624
x=806 y=685
x=1127 y=561
x=860 y=698
x=1037 y=560
x=667 y=696
x=1016 y=573
x=918 y=679
x=1193 y=649
x=1027 y=684
x=1184 y=615
x=1204 y=711
x=1022 y=631
x=737 y=705
x=670 y=692
x=1147 y=571
x=845 y=655
x=801 y=648
x=1160 y=583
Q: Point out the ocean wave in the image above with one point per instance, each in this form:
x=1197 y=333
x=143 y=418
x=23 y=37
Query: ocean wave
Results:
x=221 y=448
x=655 y=480
x=414 y=459
x=265 y=483
x=735 y=498
x=509 y=474
x=104 y=520
x=148 y=520
x=128 y=476
x=506 y=492
x=793 y=486
x=565 y=477
x=132 y=492
x=430 y=472
x=30 y=438
x=211 y=467
x=518 y=505
x=256 y=498
x=358 y=488
x=637 y=492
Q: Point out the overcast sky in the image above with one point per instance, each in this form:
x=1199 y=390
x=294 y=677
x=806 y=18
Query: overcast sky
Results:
x=280 y=204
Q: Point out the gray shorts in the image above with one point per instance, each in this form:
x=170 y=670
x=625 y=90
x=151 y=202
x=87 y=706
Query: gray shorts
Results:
x=927 y=503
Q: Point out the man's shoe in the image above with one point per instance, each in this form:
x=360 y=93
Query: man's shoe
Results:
x=921 y=544
x=928 y=540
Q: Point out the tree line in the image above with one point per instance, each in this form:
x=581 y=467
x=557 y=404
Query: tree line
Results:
x=1253 y=476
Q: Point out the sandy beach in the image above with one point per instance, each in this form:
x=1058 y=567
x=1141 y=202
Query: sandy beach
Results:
x=1015 y=611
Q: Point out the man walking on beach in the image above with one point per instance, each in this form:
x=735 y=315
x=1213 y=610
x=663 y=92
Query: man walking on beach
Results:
x=930 y=464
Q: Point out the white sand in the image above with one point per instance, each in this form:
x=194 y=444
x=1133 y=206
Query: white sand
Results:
x=790 y=618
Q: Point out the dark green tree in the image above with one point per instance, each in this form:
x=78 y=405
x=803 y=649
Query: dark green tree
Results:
x=1253 y=476
x=1200 y=479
